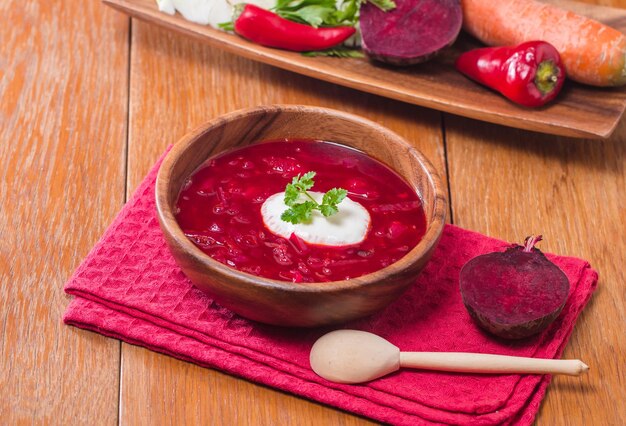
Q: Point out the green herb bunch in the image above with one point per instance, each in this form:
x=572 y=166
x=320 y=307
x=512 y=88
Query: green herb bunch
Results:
x=326 y=13
x=301 y=211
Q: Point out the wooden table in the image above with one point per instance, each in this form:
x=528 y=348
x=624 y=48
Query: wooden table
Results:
x=90 y=98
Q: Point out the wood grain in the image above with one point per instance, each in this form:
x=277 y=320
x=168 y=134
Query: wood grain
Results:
x=63 y=118
x=572 y=192
x=509 y=184
x=63 y=97
x=164 y=106
x=581 y=111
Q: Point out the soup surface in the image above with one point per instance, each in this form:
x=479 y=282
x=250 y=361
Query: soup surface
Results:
x=219 y=209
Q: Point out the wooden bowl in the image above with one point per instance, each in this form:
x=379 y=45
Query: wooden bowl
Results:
x=284 y=303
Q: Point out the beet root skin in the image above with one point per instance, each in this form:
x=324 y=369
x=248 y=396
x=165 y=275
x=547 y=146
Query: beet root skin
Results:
x=514 y=331
x=413 y=32
x=513 y=294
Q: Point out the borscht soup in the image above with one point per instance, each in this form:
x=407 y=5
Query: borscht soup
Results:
x=300 y=211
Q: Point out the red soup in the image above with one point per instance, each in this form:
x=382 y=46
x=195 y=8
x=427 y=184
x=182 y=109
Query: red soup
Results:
x=219 y=209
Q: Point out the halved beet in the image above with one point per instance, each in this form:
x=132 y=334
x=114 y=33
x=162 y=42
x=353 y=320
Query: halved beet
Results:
x=412 y=32
x=516 y=293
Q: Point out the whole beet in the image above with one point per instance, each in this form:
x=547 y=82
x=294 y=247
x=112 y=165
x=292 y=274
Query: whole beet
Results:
x=516 y=293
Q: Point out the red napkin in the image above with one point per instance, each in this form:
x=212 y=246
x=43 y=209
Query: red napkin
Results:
x=130 y=288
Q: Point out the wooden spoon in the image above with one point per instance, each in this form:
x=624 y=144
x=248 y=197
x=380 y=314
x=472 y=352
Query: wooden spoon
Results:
x=352 y=356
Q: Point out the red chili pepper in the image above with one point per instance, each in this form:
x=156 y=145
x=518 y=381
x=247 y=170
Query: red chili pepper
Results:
x=268 y=29
x=530 y=74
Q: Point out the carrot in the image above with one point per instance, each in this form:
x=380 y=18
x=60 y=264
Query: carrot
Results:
x=592 y=52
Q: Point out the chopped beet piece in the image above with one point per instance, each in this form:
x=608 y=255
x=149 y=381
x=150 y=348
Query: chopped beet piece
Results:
x=514 y=294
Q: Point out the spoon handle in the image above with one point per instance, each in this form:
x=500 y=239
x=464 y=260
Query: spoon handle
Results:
x=487 y=363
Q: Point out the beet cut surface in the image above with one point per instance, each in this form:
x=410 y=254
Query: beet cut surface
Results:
x=516 y=293
x=412 y=32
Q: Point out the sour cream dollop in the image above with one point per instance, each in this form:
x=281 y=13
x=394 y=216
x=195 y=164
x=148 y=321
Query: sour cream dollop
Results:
x=346 y=227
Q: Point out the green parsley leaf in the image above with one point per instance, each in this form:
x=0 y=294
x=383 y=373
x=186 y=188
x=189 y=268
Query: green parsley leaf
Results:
x=326 y=13
x=291 y=194
x=306 y=181
x=334 y=196
x=348 y=11
x=301 y=212
x=319 y=13
x=314 y=15
x=384 y=5
x=328 y=210
x=290 y=216
x=299 y=4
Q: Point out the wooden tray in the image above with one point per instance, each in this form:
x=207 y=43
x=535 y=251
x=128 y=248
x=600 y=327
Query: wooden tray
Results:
x=579 y=111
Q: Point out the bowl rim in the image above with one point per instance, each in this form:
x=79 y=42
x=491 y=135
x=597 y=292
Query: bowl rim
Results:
x=169 y=224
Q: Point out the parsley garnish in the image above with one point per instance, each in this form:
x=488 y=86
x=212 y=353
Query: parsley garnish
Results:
x=301 y=211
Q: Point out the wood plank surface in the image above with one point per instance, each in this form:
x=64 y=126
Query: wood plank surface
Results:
x=63 y=100
x=508 y=184
x=164 y=105
x=73 y=83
